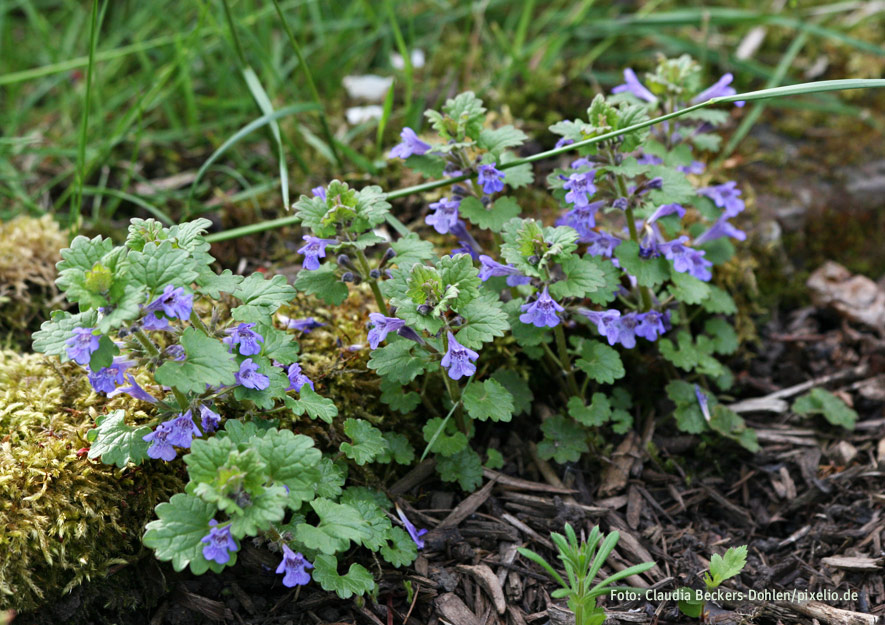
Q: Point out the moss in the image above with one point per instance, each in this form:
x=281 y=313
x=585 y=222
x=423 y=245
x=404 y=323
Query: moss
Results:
x=29 y=249
x=63 y=518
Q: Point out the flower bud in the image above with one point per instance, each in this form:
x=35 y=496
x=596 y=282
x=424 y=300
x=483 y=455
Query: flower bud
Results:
x=408 y=333
x=344 y=261
x=347 y=276
x=375 y=274
x=423 y=309
x=621 y=203
x=534 y=259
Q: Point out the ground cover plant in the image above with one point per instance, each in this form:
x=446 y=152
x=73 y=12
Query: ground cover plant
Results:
x=584 y=301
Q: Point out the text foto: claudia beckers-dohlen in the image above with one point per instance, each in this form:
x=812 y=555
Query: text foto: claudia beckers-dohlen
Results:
x=721 y=594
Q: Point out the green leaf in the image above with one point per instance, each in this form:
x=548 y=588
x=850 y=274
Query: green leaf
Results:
x=81 y=257
x=357 y=580
x=401 y=550
x=104 y=355
x=159 y=265
x=278 y=345
x=207 y=361
x=600 y=362
x=488 y=400
x=396 y=362
x=290 y=459
x=117 y=443
x=676 y=187
x=564 y=440
x=428 y=165
x=492 y=218
x=583 y=276
x=411 y=249
x=399 y=449
x=143 y=231
x=461 y=280
x=687 y=288
x=368 y=442
x=51 y=337
x=465 y=467
x=262 y=296
x=392 y=395
x=494 y=459
x=339 y=524
x=519 y=175
x=518 y=388
x=176 y=534
x=834 y=410
x=330 y=478
x=498 y=140
x=719 y=302
x=723 y=336
x=726 y=567
x=688 y=415
x=648 y=271
x=315 y=405
x=690 y=356
x=612 y=277
x=692 y=608
x=123 y=308
x=449 y=441
x=484 y=319
x=729 y=424
x=595 y=415
x=213 y=284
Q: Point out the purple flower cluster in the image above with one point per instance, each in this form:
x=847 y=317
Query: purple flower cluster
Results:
x=174 y=303
x=249 y=377
x=624 y=329
x=543 y=312
x=219 y=543
x=82 y=345
x=314 y=249
x=244 y=336
x=491 y=268
x=582 y=219
x=687 y=259
x=410 y=145
x=580 y=188
x=490 y=179
x=459 y=359
x=105 y=380
x=178 y=432
x=445 y=216
x=297 y=378
x=294 y=568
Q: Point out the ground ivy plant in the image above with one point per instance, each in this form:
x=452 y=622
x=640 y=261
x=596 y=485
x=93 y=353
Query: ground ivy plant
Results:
x=155 y=322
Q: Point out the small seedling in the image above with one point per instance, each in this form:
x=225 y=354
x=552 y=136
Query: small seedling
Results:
x=721 y=568
x=582 y=561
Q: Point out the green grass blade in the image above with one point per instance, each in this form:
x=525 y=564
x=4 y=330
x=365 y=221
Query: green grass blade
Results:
x=77 y=201
x=134 y=199
x=387 y=111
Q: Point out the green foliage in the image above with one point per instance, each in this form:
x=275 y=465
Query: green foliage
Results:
x=492 y=218
x=176 y=534
x=488 y=400
x=464 y=467
x=368 y=441
x=115 y=442
x=600 y=362
x=357 y=580
x=834 y=410
x=564 y=440
x=207 y=362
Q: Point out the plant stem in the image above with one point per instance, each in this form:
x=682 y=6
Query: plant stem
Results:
x=195 y=319
x=455 y=395
x=565 y=361
x=644 y=294
x=376 y=290
x=183 y=403
x=151 y=349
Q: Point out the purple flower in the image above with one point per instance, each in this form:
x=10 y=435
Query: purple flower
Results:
x=160 y=449
x=491 y=268
x=106 y=379
x=313 y=250
x=410 y=145
x=563 y=141
x=249 y=377
x=307 y=325
x=209 y=419
x=183 y=430
x=648 y=159
x=469 y=245
x=542 y=312
x=686 y=259
x=726 y=196
x=319 y=192
x=244 y=336
x=177 y=352
x=219 y=543
x=607 y=322
x=81 y=345
x=601 y=243
x=651 y=325
x=295 y=566
x=664 y=210
x=154 y=320
x=414 y=533
x=381 y=327
x=696 y=167
x=719 y=89
x=578 y=163
x=721 y=228
x=627 y=330
x=174 y=302
x=134 y=390
x=632 y=84
x=580 y=188
x=459 y=359
x=297 y=379
x=445 y=217
x=702 y=402
x=582 y=218
x=490 y=179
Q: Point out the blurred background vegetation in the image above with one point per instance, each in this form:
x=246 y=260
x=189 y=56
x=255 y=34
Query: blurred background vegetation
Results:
x=231 y=108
